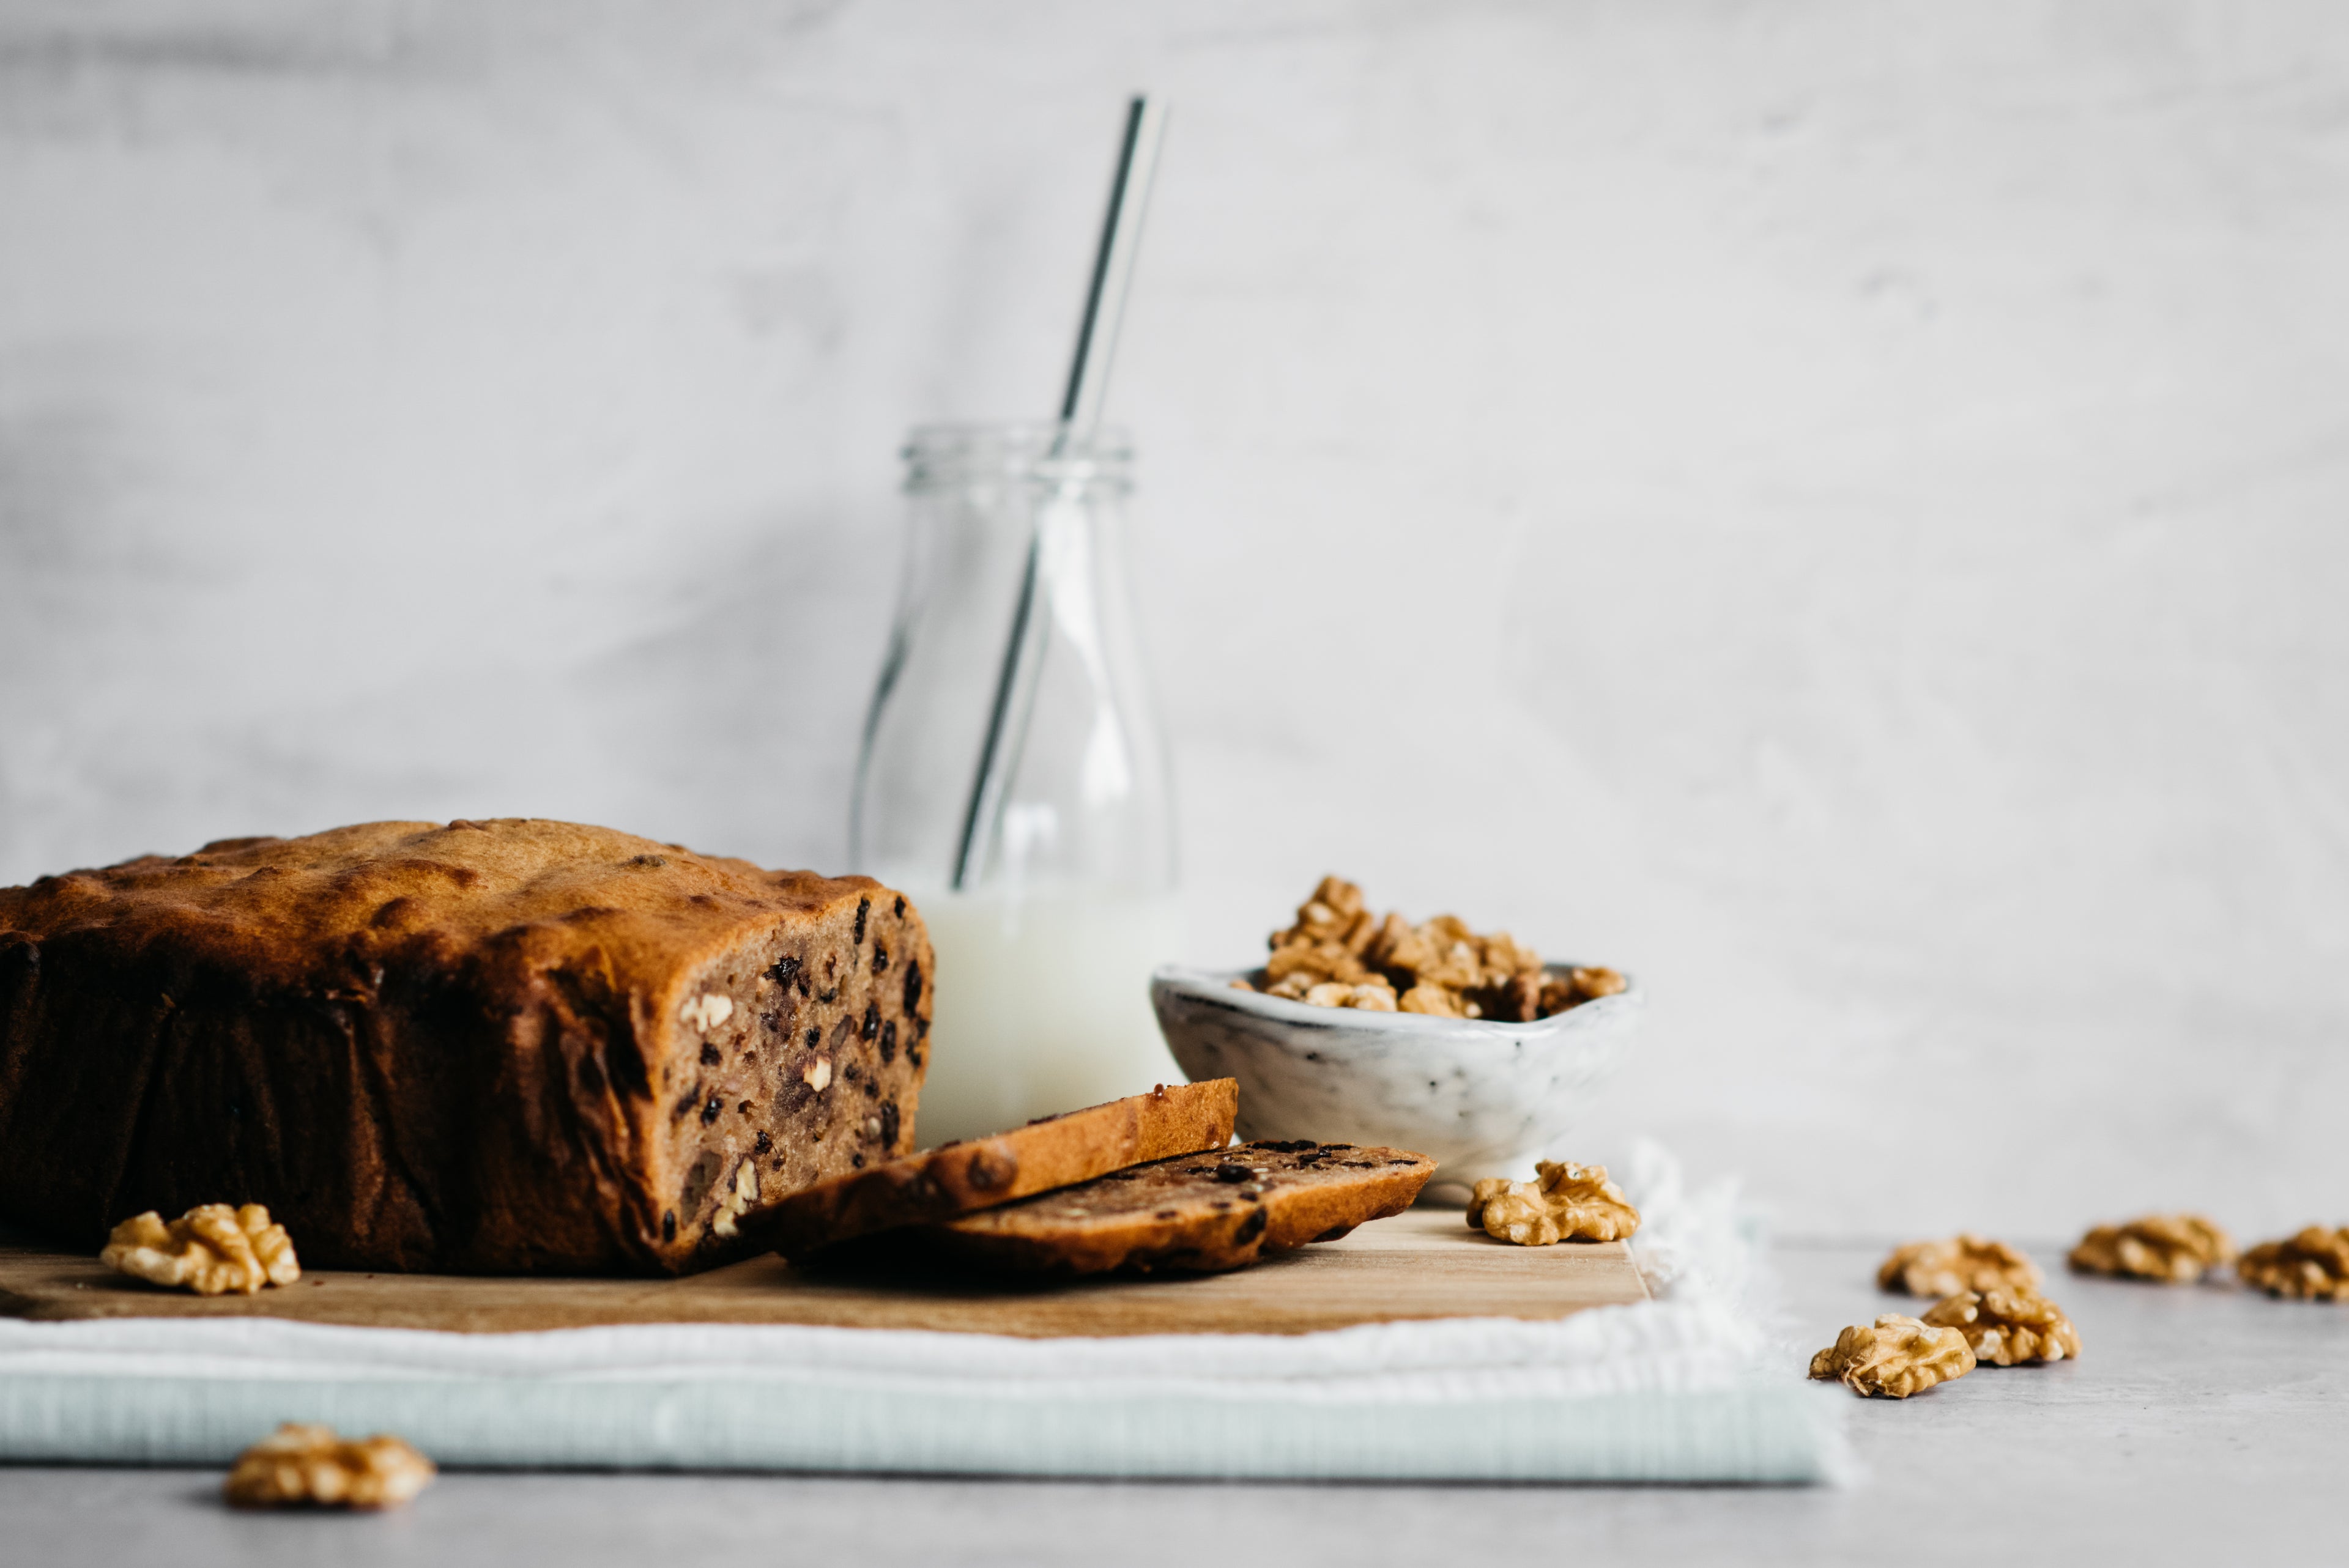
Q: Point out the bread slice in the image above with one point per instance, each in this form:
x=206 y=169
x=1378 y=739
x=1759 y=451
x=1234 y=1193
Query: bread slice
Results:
x=958 y=1178
x=495 y=1046
x=1194 y=1213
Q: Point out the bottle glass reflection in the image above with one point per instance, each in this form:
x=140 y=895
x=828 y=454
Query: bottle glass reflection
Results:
x=1067 y=889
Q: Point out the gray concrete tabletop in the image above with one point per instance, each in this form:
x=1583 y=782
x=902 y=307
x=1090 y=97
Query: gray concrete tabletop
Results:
x=2200 y=1423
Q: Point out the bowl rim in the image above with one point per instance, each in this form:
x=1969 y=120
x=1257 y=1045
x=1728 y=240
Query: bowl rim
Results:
x=1215 y=986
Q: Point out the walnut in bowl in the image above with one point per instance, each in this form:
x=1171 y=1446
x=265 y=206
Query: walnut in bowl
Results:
x=1479 y=1096
x=1340 y=954
x=1466 y=1049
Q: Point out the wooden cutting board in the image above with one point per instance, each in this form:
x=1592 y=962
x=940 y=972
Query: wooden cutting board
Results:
x=1425 y=1263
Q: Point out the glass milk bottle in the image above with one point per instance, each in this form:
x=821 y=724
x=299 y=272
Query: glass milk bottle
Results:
x=1047 y=886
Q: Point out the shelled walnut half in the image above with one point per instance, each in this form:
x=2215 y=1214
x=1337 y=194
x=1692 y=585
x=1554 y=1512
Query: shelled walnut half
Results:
x=1338 y=954
x=1966 y=1262
x=1894 y=1358
x=210 y=1249
x=1565 y=1202
x=2313 y=1265
x=2176 y=1249
x=2008 y=1328
x=297 y=1466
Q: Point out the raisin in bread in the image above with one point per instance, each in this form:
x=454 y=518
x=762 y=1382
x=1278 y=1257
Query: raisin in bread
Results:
x=1194 y=1212
x=958 y=1178
x=499 y=1046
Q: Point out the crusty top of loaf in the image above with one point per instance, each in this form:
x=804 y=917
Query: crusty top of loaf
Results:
x=280 y=909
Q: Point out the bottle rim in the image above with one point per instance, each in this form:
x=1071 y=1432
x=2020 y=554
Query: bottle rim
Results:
x=964 y=450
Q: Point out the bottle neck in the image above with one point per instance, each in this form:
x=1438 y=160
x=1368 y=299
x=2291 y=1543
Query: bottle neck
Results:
x=943 y=459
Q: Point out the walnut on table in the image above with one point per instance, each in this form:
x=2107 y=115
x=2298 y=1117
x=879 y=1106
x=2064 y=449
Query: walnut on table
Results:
x=1565 y=1202
x=2008 y=1328
x=1337 y=954
x=1894 y=1358
x=210 y=1249
x=2177 y=1249
x=312 y=1466
x=1960 y=1263
x=2313 y=1265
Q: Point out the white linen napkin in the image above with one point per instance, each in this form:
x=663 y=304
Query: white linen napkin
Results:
x=1684 y=1388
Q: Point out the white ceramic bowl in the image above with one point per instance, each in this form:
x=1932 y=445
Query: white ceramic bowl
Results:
x=1479 y=1096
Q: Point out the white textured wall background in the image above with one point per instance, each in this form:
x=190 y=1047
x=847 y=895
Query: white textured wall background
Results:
x=1842 y=506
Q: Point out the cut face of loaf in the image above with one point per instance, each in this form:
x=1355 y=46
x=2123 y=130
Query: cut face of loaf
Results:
x=500 y=1046
x=795 y=1057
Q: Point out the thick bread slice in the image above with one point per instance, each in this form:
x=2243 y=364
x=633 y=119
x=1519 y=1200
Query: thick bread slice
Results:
x=957 y=1178
x=512 y=1046
x=1196 y=1213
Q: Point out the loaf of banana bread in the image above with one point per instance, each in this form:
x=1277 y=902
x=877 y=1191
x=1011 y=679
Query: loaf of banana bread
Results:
x=499 y=1046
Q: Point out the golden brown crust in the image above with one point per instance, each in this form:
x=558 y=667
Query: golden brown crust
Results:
x=1193 y=1213
x=261 y=903
x=961 y=1178
x=495 y=1046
